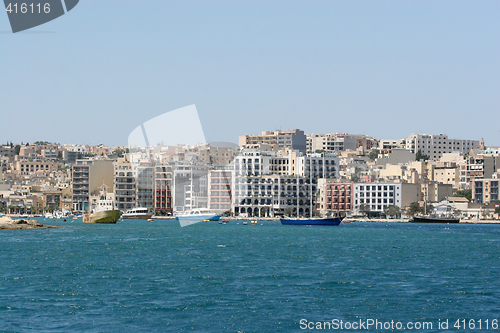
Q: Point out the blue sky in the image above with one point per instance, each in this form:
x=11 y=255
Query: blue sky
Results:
x=380 y=68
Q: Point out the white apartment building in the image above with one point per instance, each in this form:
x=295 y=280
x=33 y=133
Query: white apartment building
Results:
x=379 y=196
x=435 y=146
x=267 y=184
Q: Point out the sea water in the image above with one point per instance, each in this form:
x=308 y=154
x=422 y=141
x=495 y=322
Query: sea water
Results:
x=141 y=276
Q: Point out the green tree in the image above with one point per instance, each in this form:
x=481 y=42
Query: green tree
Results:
x=414 y=208
x=497 y=210
x=392 y=210
x=364 y=208
x=421 y=156
x=17 y=149
x=374 y=154
x=464 y=194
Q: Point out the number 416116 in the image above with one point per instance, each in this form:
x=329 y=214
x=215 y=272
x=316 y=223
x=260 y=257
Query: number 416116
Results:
x=28 y=8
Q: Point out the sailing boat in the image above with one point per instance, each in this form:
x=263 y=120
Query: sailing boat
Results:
x=433 y=219
x=311 y=220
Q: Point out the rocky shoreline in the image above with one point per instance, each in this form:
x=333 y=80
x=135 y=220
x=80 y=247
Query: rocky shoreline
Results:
x=8 y=223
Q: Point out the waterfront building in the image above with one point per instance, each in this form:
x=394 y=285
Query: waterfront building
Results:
x=336 y=197
x=275 y=183
x=190 y=186
x=124 y=184
x=163 y=188
x=144 y=172
x=52 y=200
x=435 y=146
x=220 y=183
x=272 y=195
x=88 y=175
x=374 y=198
x=293 y=139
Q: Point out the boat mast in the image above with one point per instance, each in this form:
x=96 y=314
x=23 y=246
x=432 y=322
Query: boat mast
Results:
x=310 y=187
x=324 y=187
x=297 y=183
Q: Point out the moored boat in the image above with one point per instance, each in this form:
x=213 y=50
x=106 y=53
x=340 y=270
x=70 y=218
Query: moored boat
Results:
x=104 y=211
x=138 y=213
x=434 y=219
x=197 y=215
x=311 y=221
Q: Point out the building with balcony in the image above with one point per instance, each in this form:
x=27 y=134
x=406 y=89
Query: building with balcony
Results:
x=124 y=184
x=336 y=142
x=292 y=139
x=336 y=198
x=485 y=190
x=220 y=183
x=435 y=146
x=87 y=178
x=144 y=173
x=163 y=188
x=190 y=186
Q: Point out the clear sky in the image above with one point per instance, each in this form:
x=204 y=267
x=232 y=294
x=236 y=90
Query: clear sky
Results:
x=380 y=68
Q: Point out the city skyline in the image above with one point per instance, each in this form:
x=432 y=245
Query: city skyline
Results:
x=383 y=69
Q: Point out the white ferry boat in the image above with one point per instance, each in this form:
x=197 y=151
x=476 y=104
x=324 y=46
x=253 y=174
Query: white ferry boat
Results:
x=138 y=213
x=197 y=215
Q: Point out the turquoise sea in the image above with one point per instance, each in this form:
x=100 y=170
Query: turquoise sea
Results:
x=140 y=276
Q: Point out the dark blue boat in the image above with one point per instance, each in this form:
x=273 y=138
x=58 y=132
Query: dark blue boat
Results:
x=325 y=221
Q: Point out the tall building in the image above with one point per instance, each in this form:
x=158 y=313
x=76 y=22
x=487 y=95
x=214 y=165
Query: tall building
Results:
x=292 y=139
x=87 y=178
x=435 y=146
x=163 y=188
x=220 y=181
x=190 y=187
x=276 y=184
x=124 y=184
x=144 y=172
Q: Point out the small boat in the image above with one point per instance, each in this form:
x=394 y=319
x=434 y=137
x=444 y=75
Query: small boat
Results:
x=104 y=211
x=312 y=221
x=434 y=219
x=138 y=213
x=197 y=215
